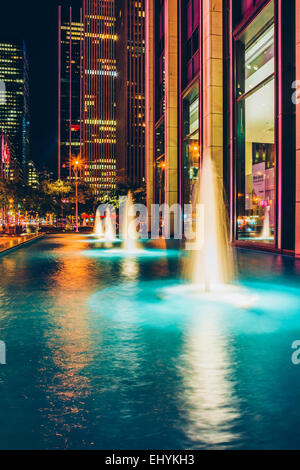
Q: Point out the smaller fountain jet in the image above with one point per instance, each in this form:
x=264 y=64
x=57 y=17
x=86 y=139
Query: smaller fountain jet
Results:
x=129 y=235
x=98 y=228
x=109 y=232
x=266 y=232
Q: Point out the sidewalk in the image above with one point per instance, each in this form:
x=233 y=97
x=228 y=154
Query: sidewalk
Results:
x=8 y=242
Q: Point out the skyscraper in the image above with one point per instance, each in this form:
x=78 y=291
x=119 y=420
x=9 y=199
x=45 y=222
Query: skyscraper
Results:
x=14 y=113
x=70 y=31
x=99 y=113
x=130 y=89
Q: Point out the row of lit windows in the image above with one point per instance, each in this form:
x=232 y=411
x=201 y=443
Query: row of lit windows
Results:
x=105 y=141
x=101 y=17
x=10 y=60
x=8 y=80
x=74 y=27
x=73 y=38
x=10 y=94
x=10 y=69
x=99 y=122
x=101 y=174
x=102 y=166
x=107 y=128
x=107 y=60
x=105 y=174
x=101 y=141
x=75 y=144
x=12 y=113
x=8 y=47
x=107 y=73
x=113 y=37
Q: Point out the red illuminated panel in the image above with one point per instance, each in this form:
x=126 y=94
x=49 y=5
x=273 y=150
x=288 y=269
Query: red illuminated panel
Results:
x=5 y=150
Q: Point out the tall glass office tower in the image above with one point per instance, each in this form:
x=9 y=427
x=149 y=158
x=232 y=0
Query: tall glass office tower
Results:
x=99 y=103
x=130 y=90
x=70 y=41
x=14 y=92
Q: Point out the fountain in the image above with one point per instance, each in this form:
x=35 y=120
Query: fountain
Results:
x=210 y=266
x=129 y=233
x=266 y=232
x=211 y=263
x=98 y=228
x=109 y=232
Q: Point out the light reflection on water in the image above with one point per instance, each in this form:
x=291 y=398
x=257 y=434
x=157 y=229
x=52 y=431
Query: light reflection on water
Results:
x=130 y=269
x=99 y=358
x=69 y=340
x=208 y=401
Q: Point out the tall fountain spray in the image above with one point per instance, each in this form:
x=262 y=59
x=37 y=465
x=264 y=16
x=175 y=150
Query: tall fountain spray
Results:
x=211 y=263
x=109 y=232
x=129 y=235
x=98 y=228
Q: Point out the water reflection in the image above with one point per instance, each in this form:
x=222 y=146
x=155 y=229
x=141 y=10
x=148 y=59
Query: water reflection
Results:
x=208 y=403
x=130 y=269
x=98 y=357
x=70 y=344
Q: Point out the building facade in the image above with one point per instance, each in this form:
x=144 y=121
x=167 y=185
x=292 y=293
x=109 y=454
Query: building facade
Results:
x=221 y=83
x=70 y=43
x=99 y=103
x=32 y=175
x=14 y=93
x=130 y=90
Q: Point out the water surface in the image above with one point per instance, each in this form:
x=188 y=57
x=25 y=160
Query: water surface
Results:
x=98 y=357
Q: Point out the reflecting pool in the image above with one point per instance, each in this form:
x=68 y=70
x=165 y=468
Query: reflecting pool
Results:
x=107 y=352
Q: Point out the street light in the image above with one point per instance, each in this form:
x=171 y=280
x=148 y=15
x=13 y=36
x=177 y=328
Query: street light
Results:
x=76 y=165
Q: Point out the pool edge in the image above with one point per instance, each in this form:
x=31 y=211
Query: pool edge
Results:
x=26 y=242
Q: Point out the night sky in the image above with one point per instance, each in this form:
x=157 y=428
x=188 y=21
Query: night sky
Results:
x=36 y=22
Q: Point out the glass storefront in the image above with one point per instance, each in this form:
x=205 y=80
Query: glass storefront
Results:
x=191 y=149
x=255 y=130
x=190 y=18
x=160 y=59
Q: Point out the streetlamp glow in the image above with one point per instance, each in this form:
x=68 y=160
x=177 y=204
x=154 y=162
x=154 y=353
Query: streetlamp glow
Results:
x=76 y=165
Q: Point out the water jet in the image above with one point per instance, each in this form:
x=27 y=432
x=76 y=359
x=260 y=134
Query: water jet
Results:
x=211 y=263
x=98 y=228
x=129 y=233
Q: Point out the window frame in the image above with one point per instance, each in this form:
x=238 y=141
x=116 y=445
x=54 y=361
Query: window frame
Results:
x=235 y=35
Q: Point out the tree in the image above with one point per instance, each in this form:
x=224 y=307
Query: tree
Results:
x=123 y=186
x=58 y=189
x=38 y=202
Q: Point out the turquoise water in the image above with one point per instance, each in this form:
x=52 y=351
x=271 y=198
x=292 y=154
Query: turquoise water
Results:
x=108 y=352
